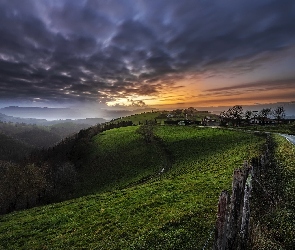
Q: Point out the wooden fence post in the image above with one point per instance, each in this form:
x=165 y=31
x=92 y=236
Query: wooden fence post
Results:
x=236 y=207
x=232 y=225
x=245 y=224
x=221 y=223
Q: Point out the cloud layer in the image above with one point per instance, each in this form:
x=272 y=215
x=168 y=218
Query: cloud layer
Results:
x=101 y=51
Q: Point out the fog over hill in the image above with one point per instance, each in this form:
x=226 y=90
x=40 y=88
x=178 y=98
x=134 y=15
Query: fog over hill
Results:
x=68 y=113
x=98 y=115
x=42 y=113
x=44 y=122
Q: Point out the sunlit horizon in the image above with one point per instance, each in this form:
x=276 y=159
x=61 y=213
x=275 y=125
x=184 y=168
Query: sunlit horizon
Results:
x=100 y=55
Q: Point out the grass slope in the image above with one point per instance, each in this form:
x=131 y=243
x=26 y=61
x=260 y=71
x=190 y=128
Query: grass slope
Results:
x=175 y=210
x=161 y=116
x=276 y=228
x=281 y=128
x=117 y=158
x=140 y=118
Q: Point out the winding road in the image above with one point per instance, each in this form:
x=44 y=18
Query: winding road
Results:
x=290 y=138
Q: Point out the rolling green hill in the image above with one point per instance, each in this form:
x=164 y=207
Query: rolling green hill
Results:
x=161 y=116
x=159 y=195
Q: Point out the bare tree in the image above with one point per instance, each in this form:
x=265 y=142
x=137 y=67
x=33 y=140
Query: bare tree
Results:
x=264 y=114
x=279 y=113
x=248 y=116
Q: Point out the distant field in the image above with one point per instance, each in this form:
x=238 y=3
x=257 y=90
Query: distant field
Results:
x=172 y=210
x=140 y=118
x=160 y=117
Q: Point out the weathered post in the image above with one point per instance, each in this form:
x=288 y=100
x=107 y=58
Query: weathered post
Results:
x=245 y=226
x=220 y=241
x=231 y=231
x=236 y=207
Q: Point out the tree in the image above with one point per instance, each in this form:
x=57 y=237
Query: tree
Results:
x=190 y=111
x=147 y=131
x=63 y=179
x=279 y=113
x=235 y=114
x=177 y=112
x=20 y=186
x=263 y=115
x=255 y=115
x=224 y=119
x=248 y=116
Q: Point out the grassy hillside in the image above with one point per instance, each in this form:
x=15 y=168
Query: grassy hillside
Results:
x=116 y=158
x=276 y=228
x=161 y=116
x=162 y=195
x=139 y=118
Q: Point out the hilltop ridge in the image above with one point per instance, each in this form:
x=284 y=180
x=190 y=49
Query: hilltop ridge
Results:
x=126 y=200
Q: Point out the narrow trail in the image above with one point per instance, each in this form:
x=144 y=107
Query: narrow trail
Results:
x=290 y=138
x=169 y=159
x=167 y=153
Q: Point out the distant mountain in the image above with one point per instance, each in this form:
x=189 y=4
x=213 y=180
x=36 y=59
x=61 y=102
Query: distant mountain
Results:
x=8 y=118
x=70 y=113
x=44 y=122
x=42 y=113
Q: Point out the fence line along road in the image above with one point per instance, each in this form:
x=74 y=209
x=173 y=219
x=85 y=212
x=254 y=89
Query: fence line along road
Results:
x=290 y=138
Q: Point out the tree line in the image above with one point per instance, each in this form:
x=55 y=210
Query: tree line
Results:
x=235 y=115
x=47 y=175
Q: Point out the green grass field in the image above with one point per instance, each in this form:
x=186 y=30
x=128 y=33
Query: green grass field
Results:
x=117 y=158
x=140 y=118
x=172 y=210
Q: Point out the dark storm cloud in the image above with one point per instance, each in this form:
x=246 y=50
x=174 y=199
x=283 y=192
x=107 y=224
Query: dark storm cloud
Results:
x=89 y=50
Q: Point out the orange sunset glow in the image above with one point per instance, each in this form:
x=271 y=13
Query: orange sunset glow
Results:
x=146 y=55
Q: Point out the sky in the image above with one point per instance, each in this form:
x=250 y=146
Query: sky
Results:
x=146 y=53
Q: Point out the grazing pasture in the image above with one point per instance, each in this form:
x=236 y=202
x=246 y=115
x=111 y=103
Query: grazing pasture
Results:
x=158 y=195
